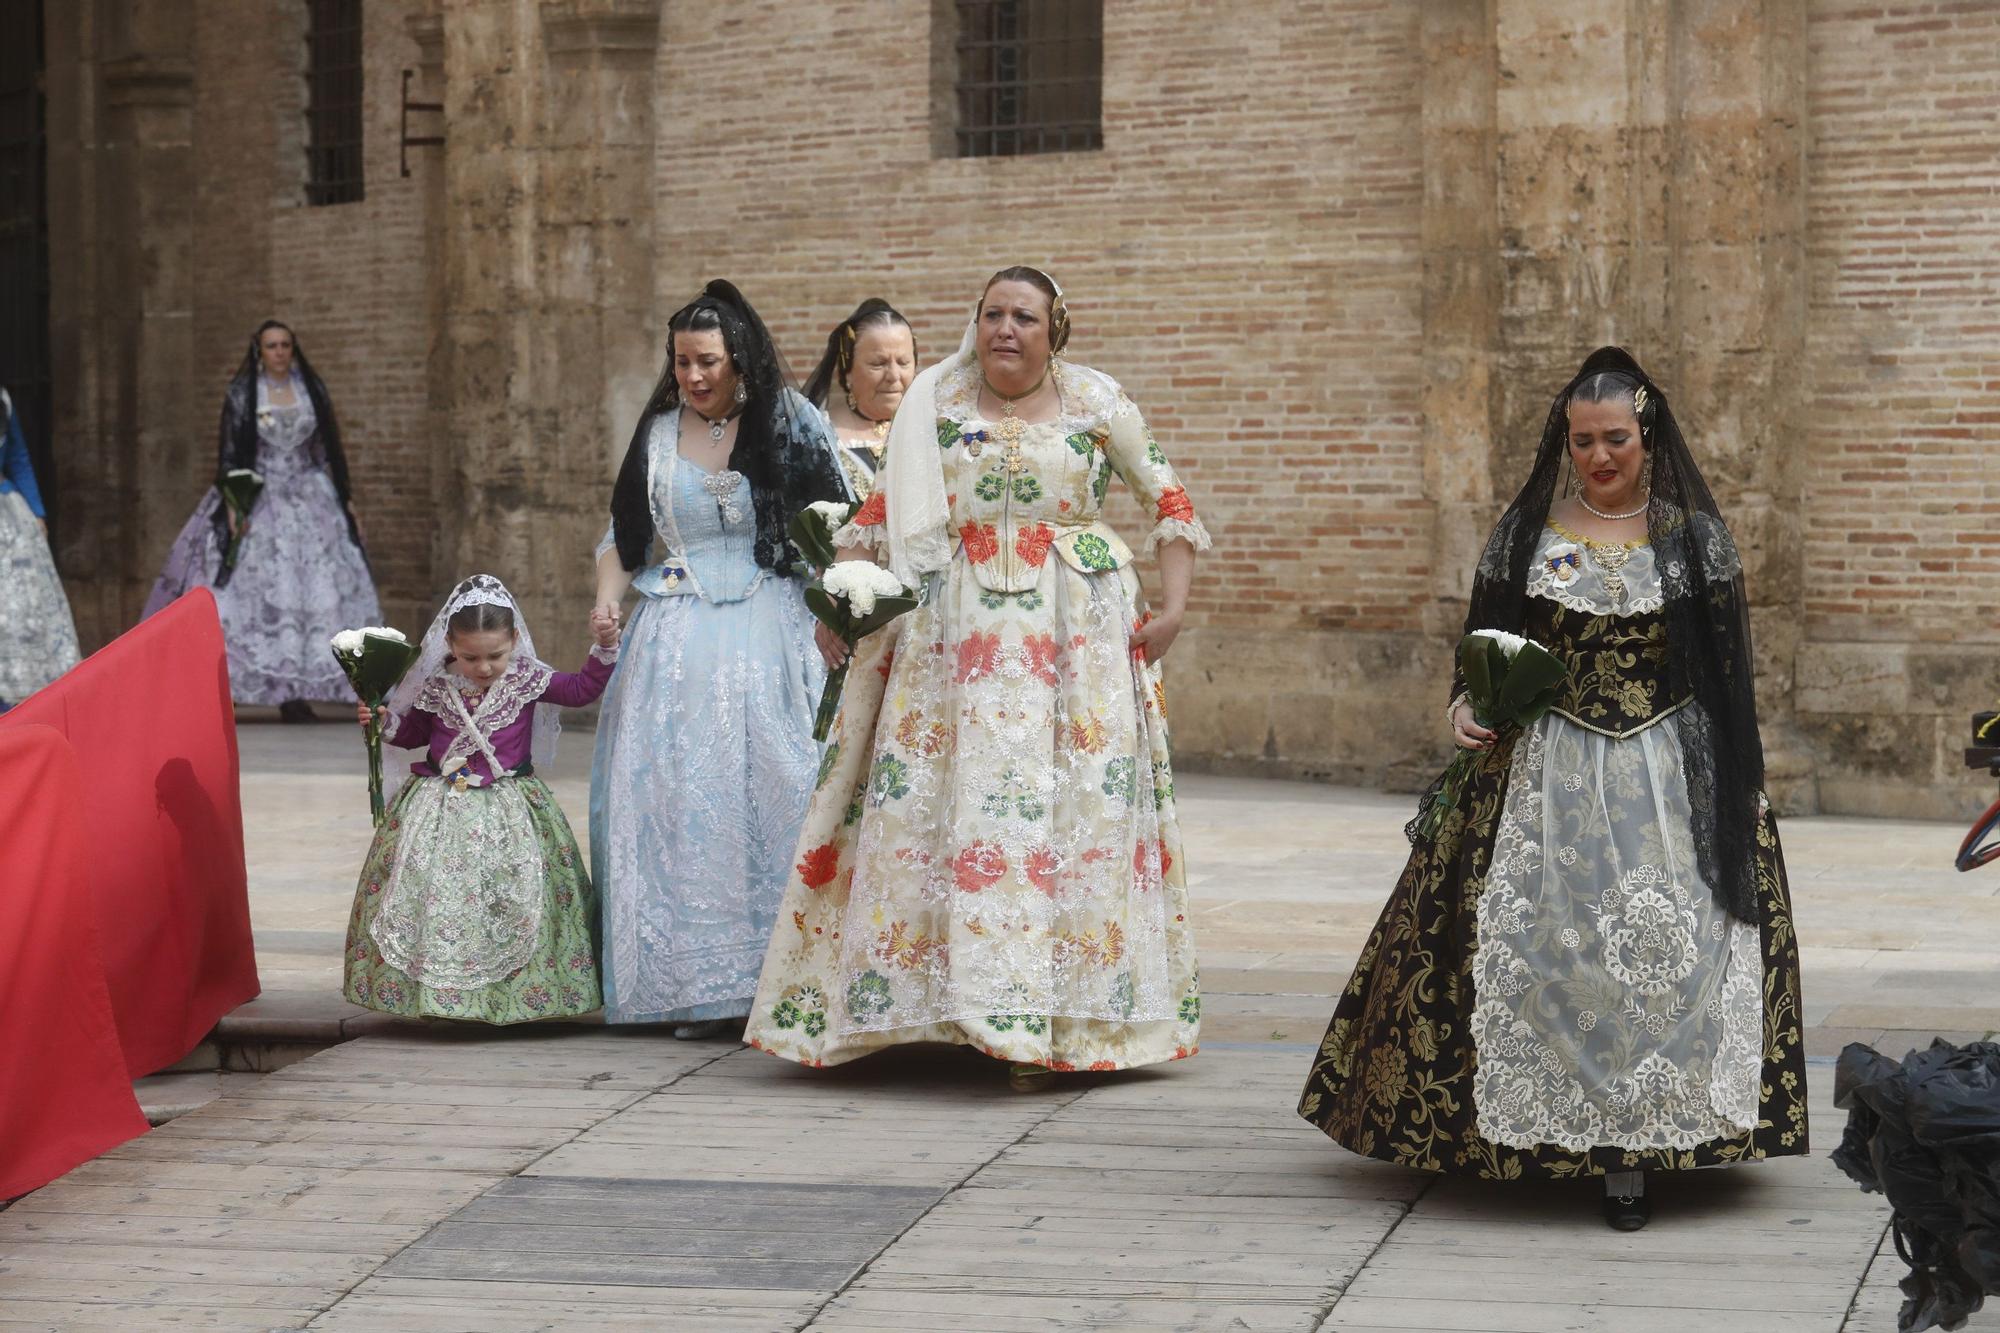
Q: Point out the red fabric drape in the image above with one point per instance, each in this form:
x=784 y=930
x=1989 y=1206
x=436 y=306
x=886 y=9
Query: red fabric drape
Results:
x=150 y=719
x=64 y=1094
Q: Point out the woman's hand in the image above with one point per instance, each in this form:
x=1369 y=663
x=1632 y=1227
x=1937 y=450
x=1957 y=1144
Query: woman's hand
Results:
x=1155 y=635
x=604 y=626
x=1466 y=732
x=363 y=716
x=832 y=648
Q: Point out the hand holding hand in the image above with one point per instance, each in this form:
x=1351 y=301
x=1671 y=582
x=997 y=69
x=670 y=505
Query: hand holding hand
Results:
x=604 y=626
x=1155 y=635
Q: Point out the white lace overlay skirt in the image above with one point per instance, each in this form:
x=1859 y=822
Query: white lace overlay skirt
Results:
x=37 y=635
x=1616 y=1005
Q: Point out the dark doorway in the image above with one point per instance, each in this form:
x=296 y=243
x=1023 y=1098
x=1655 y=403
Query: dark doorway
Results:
x=24 y=234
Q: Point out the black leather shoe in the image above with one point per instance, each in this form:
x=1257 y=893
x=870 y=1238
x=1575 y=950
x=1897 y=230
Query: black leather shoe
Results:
x=296 y=710
x=1627 y=1212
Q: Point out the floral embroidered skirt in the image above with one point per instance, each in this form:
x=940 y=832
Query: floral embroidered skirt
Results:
x=1444 y=976
x=991 y=856
x=37 y=635
x=474 y=951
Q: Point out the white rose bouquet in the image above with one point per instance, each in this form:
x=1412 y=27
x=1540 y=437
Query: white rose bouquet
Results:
x=854 y=598
x=374 y=659
x=812 y=531
x=1510 y=682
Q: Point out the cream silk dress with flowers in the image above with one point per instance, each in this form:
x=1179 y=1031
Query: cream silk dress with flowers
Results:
x=991 y=856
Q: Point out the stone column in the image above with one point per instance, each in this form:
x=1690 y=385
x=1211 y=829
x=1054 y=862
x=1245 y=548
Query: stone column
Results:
x=427 y=29
x=121 y=243
x=1631 y=172
x=1736 y=307
x=548 y=287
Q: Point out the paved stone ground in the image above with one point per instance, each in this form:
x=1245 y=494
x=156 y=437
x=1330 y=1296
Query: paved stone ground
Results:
x=445 y=1177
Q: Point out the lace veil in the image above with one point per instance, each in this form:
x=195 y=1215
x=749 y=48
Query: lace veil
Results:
x=479 y=590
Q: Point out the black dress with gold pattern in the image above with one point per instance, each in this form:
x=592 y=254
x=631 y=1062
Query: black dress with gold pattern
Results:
x=1551 y=991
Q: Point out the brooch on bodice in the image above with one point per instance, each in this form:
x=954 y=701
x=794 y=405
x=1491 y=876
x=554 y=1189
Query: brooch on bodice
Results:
x=721 y=486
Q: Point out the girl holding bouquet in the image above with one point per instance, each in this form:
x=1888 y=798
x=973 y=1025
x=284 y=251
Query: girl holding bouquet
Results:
x=992 y=856
x=290 y=572
x=705 y=754
x=473 y=902
x=1588 y=966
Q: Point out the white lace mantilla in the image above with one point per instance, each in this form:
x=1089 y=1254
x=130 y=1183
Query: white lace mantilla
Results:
x=504 y=701
x=1616 y=1005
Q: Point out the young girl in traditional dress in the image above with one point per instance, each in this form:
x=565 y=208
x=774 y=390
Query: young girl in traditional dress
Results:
x=474 y=901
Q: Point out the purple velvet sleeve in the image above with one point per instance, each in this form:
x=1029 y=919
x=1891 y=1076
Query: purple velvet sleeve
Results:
x=574 y=689
x=414 y=733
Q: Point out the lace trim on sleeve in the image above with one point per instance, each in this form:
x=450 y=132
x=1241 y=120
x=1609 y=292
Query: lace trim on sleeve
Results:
x=600 y=653
x=1169 y=529
x=868 y=536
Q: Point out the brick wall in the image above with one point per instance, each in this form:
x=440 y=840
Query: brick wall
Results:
x=1243 y=255
x=1246 y=254
x=348 y=278
x=1903 y=493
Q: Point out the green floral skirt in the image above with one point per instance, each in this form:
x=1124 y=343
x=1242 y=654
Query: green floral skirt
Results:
x=1394 y=1076
x=544 y=937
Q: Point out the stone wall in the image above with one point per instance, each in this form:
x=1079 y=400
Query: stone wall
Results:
x=1340 y=253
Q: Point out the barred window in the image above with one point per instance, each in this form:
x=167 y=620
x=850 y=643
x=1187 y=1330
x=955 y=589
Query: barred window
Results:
x=333 y=101
x=1030 y=76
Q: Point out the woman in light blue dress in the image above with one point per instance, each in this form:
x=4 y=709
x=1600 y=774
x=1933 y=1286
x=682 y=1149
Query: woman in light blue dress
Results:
x=705 y=758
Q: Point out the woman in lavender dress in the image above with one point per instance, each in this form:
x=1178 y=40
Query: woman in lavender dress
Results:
x=301 y=575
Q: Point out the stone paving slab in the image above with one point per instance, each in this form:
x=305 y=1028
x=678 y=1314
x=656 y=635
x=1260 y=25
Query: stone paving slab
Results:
x=723 y=1189
x=445 y=1176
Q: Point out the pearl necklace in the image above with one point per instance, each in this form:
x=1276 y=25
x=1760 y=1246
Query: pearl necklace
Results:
x=1614 y=518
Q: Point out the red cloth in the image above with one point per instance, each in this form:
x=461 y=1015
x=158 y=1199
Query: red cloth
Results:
x=150 y=719
x=64 y=1094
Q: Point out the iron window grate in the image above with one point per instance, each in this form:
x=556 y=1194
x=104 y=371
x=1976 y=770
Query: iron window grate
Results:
x=1030 y=76
x=333 y=102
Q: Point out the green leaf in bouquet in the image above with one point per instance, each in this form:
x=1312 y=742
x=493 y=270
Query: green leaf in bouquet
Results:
x=887 y=608
x=1534 y=673
x=810 y=536
x=384 y=662
x=826 y=608
x=1477 y=668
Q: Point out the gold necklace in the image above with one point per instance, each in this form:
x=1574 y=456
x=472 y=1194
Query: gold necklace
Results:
x=1009 y=427
x=1611 y=559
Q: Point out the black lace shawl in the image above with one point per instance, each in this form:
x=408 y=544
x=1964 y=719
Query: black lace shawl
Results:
x=783 y=444
x=1707 y=618
x=237 y=438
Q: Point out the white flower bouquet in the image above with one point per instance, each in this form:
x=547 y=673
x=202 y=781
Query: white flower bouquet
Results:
x=373 y=659
x=812 y=531
x=1510 y=682
x=853 y=598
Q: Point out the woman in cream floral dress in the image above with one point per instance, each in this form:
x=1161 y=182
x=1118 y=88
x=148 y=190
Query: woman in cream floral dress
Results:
x=992 y=857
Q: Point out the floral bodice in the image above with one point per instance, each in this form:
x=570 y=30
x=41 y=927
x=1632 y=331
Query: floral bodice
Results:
x=285 y=434
x=1019 y=493
x=1599 y=608
x=503 y=715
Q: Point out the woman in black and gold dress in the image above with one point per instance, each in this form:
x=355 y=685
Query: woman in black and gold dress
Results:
x=1591 y=968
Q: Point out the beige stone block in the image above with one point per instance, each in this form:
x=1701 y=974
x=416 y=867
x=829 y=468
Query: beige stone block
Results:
x=1854 y=680
x=1562 y=65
